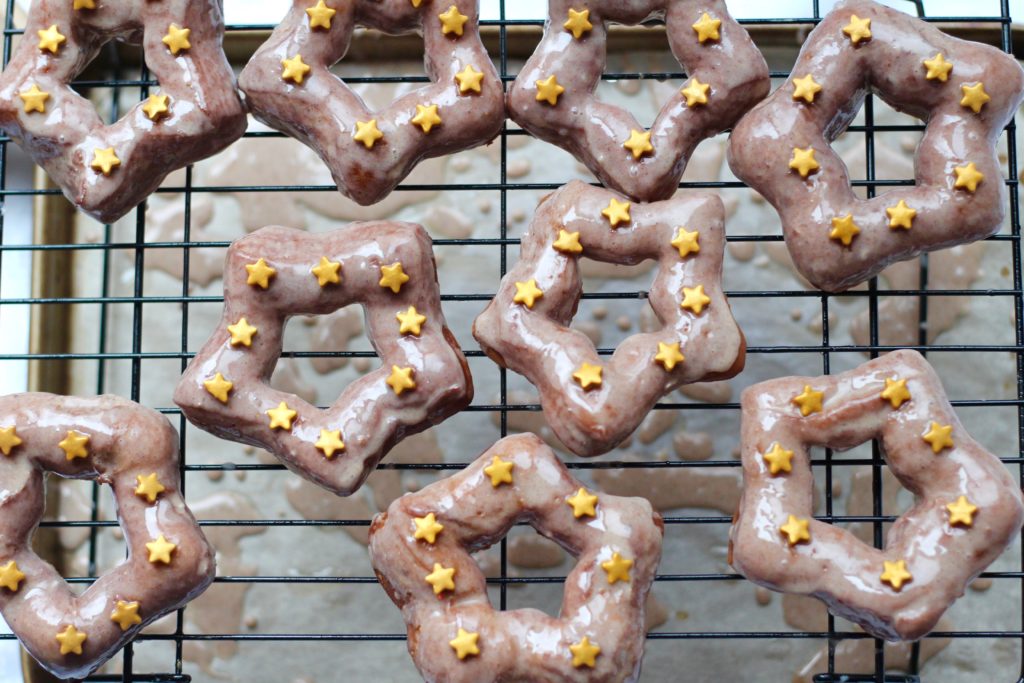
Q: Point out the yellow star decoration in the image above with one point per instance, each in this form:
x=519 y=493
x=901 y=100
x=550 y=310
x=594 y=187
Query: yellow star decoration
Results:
x=695 y=299
x=50 y=39
x=160 y=550
x=326 y=272
x=367 y=133
x=796 y=530
x=126 y=614
x=901 y=216
x=588 y=375
x=156 y=106
x=548 y=90
x=858 y=29
x=426 y=117
x=176 y=39
x=74 y=445
x=401 y=380
x=778 y=459
x=578 y=23
x=639 y=143
x=803 y=161
x=707 y=28
x=410 y=322
x=469 y=79
x=85 y=4
x=294 y=70
x=616 y=212
x=939 y=436
x=974 y=97
x=895 y=573
x=527 y=293
x=218 y=387
x=281 y=417
x=259 y=273
x=330 y=442
x=617 y=568
x=844 y=229
x=669 y=355
x=9 y=439
x=149 y=487
x=10 y=576
x=452 y=21
x=805 y=89
x=34 y=99
x=686 y=242
x=568 y=242
x=968 y=177
x=584 y=653
x=393 y=277
x=320 y=16
x=583 y=503
x=961 y=512
x=500 y=471
x=441 y=578
x=938 y=68
x=464 y=644
x=809 y=401
x=427 y=528
x=104 y=160
x=696 y=92
x=242 y=333
x=895 y=392
x=71 y=640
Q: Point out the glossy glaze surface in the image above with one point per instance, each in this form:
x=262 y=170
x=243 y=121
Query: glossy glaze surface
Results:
x=126 y=440
x=834 y=565
x=523 y=644
x=890 y=64
x=538 y=343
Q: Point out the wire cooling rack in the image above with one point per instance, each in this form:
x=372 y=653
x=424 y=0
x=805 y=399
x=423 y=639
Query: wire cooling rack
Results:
x=122 y=77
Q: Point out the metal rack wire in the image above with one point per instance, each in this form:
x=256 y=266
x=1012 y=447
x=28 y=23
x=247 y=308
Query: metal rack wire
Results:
x=123 y=77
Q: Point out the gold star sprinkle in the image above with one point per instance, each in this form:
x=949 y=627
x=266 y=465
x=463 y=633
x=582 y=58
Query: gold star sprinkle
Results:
x=326 y=272
x=778 y=459
x=578 y=23
x=844 y=229
x=401 y=380
x=259 y=274
x=968 y=177
x=330 y=442
x=803 y=161
x=50 y=39
x=464 y=644
x=441 y=578
x=241 y=333
x=961 y=512
x=469 y=80
x=71 y=640
x=707 y=28
x=809 y=401
x=9 y=439
x=548 y=90
x=805 y=89
x=367 y=133
x=669 y=355
x=901 y=216
x=695 y=299
x=527 y=293
x=796 y=530
x=11 y=577
x=104 y=160
x=583 y=503
x=320 y=16
x=895 y=573
x=149 y=487
x=617 y=568
x=156 y=106
x=696 y=92
x=500 y=471
x=616 y=212
x=160 y=550
x=639 y=143
x=686 y=242
x=427 y=528
x=295 y=69
x=939 y=436
x=126 y=614
x=584 y=653
x=34 y=99
x=938 y=68
x=218 y=387
x=568 y=242
x=393 y=277
x=858 y=29
x=85 y=4
x=974 y=97
x=176 y=39
x=74 y=445
x=410 y=322
x=281 y=417
x=588 y=375
x=895 y=392
x=426 y=117
x=452 y=21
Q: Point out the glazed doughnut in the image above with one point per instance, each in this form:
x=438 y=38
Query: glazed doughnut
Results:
x=107 y=170
x=554 y=96
x=968 y=506
x=275 y=273
x=288 y=85
x=965 y=91
x=593 y=404
x=420 y=550
x=135 y=451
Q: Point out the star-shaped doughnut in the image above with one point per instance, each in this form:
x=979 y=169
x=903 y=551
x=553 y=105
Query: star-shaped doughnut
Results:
x=593 y=402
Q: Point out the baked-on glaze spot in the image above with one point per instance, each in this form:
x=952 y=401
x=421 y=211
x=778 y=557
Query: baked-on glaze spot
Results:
x=386 y=267
x=836 y=239
x=727 y=75
x=107 y=170
x=135 y=451
x=456 y=636
x=370 y=152
x=968 y=506
x=593 y=402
